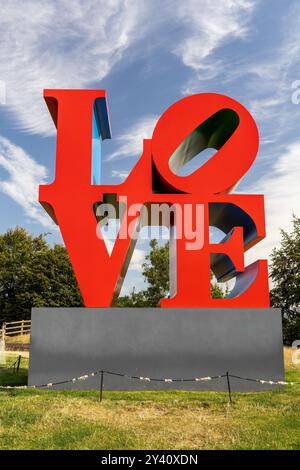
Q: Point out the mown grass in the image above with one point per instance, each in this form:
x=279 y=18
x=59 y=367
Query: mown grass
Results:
x=48 y=419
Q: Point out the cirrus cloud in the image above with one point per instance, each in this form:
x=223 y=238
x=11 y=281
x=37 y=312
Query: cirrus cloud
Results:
x=25 y=174
x=59 y=45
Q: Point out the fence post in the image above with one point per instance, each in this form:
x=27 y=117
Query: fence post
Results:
x=18 y=363
x=2 y=340
x=101 y=386
x=3 y=333
x=22 y=328
x=229 y=389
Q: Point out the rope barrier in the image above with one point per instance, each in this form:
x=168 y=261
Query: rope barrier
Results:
x=263 y=381
x=148 y=379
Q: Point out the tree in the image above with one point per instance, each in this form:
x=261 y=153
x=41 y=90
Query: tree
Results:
x=33 y=275
x=285 y=274
x=156 y=274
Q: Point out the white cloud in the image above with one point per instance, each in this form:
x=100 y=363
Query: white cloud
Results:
x=121 y=174
x=24 y=177
x=73 y=44
x=59 y=45
x=130 y=143
x=263 y=76
x=208 y=26
x=269 y=74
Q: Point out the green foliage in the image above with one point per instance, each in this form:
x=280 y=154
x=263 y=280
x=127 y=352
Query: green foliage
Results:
x=216 y=291
x=156 y=274
x=285 y=274
x=33 y=275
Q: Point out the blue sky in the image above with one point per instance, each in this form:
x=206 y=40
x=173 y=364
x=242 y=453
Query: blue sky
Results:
x=147 y=55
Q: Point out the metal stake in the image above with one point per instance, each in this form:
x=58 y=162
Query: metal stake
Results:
x=18 y=363
x=229 y=389
x=101 y=386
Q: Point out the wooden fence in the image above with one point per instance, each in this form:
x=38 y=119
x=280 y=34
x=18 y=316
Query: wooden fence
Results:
x=13 y=329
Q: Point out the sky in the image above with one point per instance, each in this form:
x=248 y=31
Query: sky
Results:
x=147 y=54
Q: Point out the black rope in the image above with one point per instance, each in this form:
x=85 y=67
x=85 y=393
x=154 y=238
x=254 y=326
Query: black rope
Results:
x=149 y=379
x=153 y=379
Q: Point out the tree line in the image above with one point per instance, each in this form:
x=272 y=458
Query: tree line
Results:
x=34 y=274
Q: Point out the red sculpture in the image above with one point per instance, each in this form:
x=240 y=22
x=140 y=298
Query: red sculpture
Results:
x=190 y=125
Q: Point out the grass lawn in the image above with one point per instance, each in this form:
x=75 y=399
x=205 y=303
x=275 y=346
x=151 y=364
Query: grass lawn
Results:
x=47 y=419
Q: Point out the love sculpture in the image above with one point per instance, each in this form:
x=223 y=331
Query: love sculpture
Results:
x=189 y=126
x=192 y=334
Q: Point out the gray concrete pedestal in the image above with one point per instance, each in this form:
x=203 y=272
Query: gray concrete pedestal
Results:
x=154 y=342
